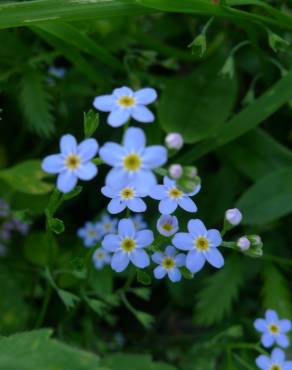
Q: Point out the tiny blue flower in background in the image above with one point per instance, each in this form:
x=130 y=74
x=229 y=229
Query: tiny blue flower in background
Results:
x=168 y=262
x=73 y=163
x=202 y=245
x=58 y=72
x=108 y=224
x=128 y=246
x=139 y=222
x=125 y=196
x=171 y=196
x=124 y=103
x=100 y=258
x=167 y=225
x=4 y=208
x=133 y=163
x=273 y=329
x=90 y=233
x=275 y=362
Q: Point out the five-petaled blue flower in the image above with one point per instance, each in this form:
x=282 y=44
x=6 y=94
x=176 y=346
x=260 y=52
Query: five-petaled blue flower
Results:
x=202 y=245
x=139 y=222
x=169 y=263
x=72 y=163
x=100 y=258
x=124 y=103
x=90 y=233
x=171 y=196
x=275 y=362
x=167 y=225
x=124 y=195
x=108 y=224
x=273 y=329
x=133 y=162
x=128 y=246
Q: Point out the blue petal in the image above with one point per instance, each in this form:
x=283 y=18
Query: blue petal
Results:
x=144 y=238
x=142 y=114
x=271 y=316
x=136 y=205
x=158 y=192
x=180 y=259
x=195 y=261
x=278 y=355
x=66 y=181
x=86 y=171
x=126 y=227
x=118 y=117
x=183 y=241
x=154 y=156
x=260 y=325
x=168 y=182
x=170 y=251
x=285 y=325
x=105 y=103
x=109 y=192
x=68 y=144
x=159 y=272
x=134 y=139
x=123 y=91
x=145 y=96
x=197 y=228
x=120 y=261
x=143 y=181
x=116 y=205
x=53 y=163
x=263 y=362
x=87 y=149
x=112 y=154
x=167 y=206
x=115 y=176
x=287 y=365
x=214 y=238
x=174 y=275
x=140 y=258
x=267 y=340
x=111 y=243
x=215 y=258
x=157 y=257
x=187 y=204
x=282 y=340
x=195 y=191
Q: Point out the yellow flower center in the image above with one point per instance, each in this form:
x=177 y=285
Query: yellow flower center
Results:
x=72 y=161
x=175 y=193
x=168 y=263
x=92 y=233
x=167 y=227
x=276 y=367
x=126 y=101
x=128 y=245
x=127 y=193
x=274 y=329
x=107 y=226
x=99 y=255
x=202 y=243
x=132 y=162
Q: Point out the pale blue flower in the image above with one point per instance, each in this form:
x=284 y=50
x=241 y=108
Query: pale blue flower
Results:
x=169 y=263
x=100 y=258
x=275 y=362
x=73 y=163
x=167 y=225
x=124 y=103
x=133 y=163
x=128 y=245
x=124 y=196
x=58 y=72
x=139 y=222
x=108 y=224
x=273 y=329
x=90 y=233
x=202 y=245
x=171 y=196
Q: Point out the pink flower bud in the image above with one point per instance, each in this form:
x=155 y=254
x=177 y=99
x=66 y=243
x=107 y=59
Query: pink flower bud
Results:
x=175 y=171
x=174 y=140
x=233 y=216
x=243 y=243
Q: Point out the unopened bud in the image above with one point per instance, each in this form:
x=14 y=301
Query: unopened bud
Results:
x=255 y=240
x=175 y=171
x=174 y=140
x=243 y=243
x=233 y=216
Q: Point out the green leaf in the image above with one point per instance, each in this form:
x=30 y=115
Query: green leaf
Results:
x=143 y=293
x=143 y=277
x=199 y=45
x=101 y=281
x=91 y=123
x=268 y=199
x=26 y=177
x=197 y=104
x=56 y=225
x=35 y=103
x=276 y=42
x=37 y=249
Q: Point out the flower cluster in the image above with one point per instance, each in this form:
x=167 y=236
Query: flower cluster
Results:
x=274 y=332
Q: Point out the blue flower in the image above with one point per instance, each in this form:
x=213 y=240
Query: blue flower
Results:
x=167 y=225
x=123 y=196
x=58 y=72
x=108 y=224
x=124 y=103
x=273 y=329
x=100 y=258
x=90 y=233
x=72 y=163
x=133 y=162
x=128 y=246
x=168 y=264
x=202 y=245
x=139 y=222
x=275 y=362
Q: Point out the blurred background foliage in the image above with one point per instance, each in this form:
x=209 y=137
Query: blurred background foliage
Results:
x=223 y=70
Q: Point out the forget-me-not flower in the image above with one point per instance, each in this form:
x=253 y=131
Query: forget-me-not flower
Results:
x=90 y=233
x=139 y=222
x=169 y=263
x=100 y=258
x=202 y=245
x=128 y=246
x=277 y=361
x=167 y=225
x=133 y=163
x=124 y=103
x=273 y=329
x=171 y=196
x=73 y=163
x=108 y=224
